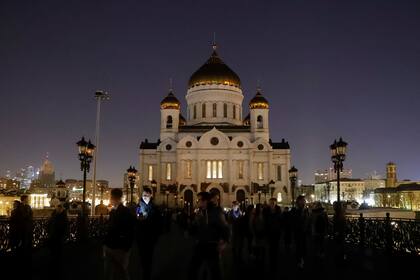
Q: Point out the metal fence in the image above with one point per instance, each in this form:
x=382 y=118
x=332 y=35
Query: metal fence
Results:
x=395 y=236
x=96 y=227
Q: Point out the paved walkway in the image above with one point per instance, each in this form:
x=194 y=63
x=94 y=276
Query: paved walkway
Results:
x=173 y=254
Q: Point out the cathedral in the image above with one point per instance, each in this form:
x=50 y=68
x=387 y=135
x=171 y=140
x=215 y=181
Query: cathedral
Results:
x=216 y=147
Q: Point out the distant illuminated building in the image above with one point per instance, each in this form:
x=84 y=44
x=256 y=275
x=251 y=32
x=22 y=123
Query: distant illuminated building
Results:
x=322 y=176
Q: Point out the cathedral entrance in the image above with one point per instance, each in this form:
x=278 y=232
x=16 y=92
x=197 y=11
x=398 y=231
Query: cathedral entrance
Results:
x=240 y=196
x=188 y=198
x=216 y=192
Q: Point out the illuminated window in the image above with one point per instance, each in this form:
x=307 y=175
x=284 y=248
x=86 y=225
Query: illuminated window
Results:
x=208 y=170
x=240 y=169
x=260 y=122
x=214 y=110
x=279 y=198
x=188 y=169
x=219 y=169
x=225 y=110
x=150 y=173
x=234 y=111
x=260 y=171
x=214 y=169
x=203 y=110
x=168 y=171
x=195 y=111
x=278 y=172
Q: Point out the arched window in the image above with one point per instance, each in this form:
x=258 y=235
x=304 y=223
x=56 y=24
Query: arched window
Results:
x=225 y=110
x=214 y=110
x=203 y=110
x=169 y=122
x=195 y=111
x=234 y=111
x=260 y=122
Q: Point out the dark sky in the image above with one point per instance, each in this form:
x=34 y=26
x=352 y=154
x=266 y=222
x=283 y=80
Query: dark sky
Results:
x=328 y=69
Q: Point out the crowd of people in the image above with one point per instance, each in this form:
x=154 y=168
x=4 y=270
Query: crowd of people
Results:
x=255 y=233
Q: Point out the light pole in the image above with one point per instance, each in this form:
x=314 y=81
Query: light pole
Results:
x=131 y=174
x=99 y=95
x=293 y=175
x=259 y=196
x=338 y=155
x=271 y=183
x=86 y=150
x=167 y=199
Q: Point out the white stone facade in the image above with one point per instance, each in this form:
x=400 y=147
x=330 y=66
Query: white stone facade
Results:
x=215 y=149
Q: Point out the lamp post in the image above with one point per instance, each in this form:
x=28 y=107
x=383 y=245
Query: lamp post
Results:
x=131 y=175
x=293 y=175
x=328 y=192
x=86 y=150
x=259 y=196
x=100 y=96
x=338 y=155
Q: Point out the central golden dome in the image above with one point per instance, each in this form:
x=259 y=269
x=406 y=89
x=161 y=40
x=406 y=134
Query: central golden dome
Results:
x=214 y=71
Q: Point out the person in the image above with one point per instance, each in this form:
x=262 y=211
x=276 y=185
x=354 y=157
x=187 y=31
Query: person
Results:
x=300 y=216
x=149 y=227
x=211 y=232
x=58 y=226
x=319 y=226
x=15 y=231
x=257 y=226
x=286 y=221
x=236 y=220
x=273 y=229
x=118 y=239
x=248 y=232
x=339 y=227
x=25 y=221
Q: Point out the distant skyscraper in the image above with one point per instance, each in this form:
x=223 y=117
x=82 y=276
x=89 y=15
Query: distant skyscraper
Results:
x=47 y=174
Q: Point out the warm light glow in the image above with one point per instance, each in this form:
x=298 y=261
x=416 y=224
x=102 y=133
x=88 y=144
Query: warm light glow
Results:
x=168 y=171
x=260 y=171
x=150 y=174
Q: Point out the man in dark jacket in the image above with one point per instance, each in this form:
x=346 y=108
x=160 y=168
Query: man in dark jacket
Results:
x=211 y=232
x=300 y=217
x=119 y=238
x=273 y=222
x=58 y=226
x=236 y=220
x=149 y=227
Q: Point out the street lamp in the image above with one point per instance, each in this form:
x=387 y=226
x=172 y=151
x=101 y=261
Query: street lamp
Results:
x=131 y=174
x=100 y=96
x=338 y=155
x=259 y=196
x=86 y=150
x=293 y=175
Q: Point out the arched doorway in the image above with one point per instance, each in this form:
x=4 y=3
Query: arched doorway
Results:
x=188 y=198
x=216 y=192
x=240 y=196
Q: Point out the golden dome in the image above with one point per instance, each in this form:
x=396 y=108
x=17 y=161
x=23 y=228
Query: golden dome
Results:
x=170 y=102
x=214 y=71
x=258 y=102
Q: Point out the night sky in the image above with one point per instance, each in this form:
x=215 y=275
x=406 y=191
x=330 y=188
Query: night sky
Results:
x=328 y=69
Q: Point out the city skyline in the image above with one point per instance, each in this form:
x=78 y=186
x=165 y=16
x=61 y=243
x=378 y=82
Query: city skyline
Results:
x=327 y=70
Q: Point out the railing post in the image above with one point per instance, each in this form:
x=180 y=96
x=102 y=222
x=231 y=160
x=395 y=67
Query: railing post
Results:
x=388 y=235
x=362 y=231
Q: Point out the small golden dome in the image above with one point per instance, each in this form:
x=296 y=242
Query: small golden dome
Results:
x=214 y=71
x=258 y=102
x=170 y=102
